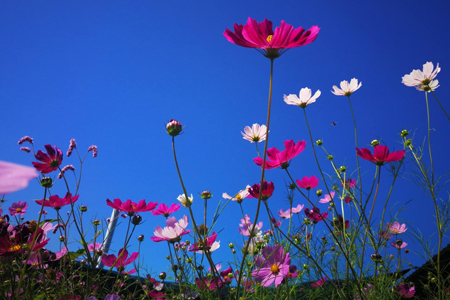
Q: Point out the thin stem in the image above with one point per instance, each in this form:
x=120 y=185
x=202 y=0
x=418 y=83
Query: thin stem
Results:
x=356 y=145
x=440 y=105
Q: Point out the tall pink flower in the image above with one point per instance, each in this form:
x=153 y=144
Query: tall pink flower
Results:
x=281 y=159
x=314 y=214
x=266 y=190
x=271 y=44
x=272 y=266
x=18 y=208
x=173 y=231
x=380 y=155
x=56 y=202
x=308 y=183
x=166 y=211
x=119 y=261
x=50 y=160
x=131 y=207
x=327 y=198
x=396 y=228
x=14 y=177
x=288 y=213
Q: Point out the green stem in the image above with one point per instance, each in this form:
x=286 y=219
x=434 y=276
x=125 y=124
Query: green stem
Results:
x=356 y=145
x=440 y=105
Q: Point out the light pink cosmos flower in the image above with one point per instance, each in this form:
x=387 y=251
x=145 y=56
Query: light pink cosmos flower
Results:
x=14 y=177
x=396 y=228
x=380 y=155
x=18 y=209
x=423 y=80
x=211 y=244
x=255 y=134
x=246 y=227
x=327 y=198
x=272 y=266
x=304 y=99
x=281 y=159
x=173 y=231
x=346 y=88
x=288 y=213
x=131 y=207
x=60 y=254
x=240 y=196
x=166 y=211
x=93 y=247
x=50 y=160
x=319 y=282
x=308 y=182
x=119 y=261
x=399 y=244
x=269 y=43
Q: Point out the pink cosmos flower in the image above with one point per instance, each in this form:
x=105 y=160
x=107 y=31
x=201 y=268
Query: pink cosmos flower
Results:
x=240 y=196
x=131 y=207
x=349 y=183
x=255 y=134
x=399 y=244
x=56 y=202
x=406 y=291
x=246 y=227
x=266 y=191
x=380 y=155
x=269 y=43
x=173 y=231
x=348 y=199
x=281 y=159
x=327 y=198
x=304 y=98
x=346 y=88
x=211 y=244
x=14 y=177
x=272 y=266
x=314 y=214
x=119 y=261
x=93 y=247
x=423 y=80
x=166 y=211
x=396 y=228
x=18 y=208
x=319 y=282
x=288 y=213
x=308 y=183
x=60 y=254
x=50 y=161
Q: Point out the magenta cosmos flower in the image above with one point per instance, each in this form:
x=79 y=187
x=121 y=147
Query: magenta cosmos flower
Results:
x=380 y=155
x=119 y=261
x=173 y=231
x=14 y=177
x=272 y=266
x=166 y=211
x=406 y=291
x=50 y=161
x=349 y=183
x=131 y=207
x=308 y=182
x=18 y=208
x=314 y=214
x=396 y=228
x=271 y=44
x=319 y=282
x=281 y=159
x=56 y=202
x=266 y=191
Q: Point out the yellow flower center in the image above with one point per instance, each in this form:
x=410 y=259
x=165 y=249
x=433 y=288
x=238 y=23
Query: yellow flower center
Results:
x=14 y=248
x=18 y=210
x=238 y=197
x=274 y=269
x=269 y=38
x=133 y=207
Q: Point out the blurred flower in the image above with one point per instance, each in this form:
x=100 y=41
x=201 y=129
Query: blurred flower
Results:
x=185 y=202
x=131 y=207
x=18 y=208
x=269 y=43
x=25 y=139
x=60 y=254
x=94 y=150
x=396 y=228
x=174 y=128
x=288 y=213
x=14 y=177
x=211 y=244
x=314 y=214
x=56 y=202
x=26 y=149
x=319 y=282
x=346 y=88
x=255 y=134
x=246 y=227
x=423 y=80
x=304 y=98
x=94 y=247
x=173 y=231
x=164 y=210
x=206 y=195
x=240 y=196
x=282 y=159
x=218 y=267
x=399 y=244
x=406 y=291
x=327 y=198
x=380 y=155
x=72 y=145
x=272 y=266
x=308 y=182
x=266 y=192
x=338 y=223
x=121 y=260
x=51 y=161
x=349 y=183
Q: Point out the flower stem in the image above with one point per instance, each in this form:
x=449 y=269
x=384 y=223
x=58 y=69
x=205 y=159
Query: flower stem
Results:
x=356 y=145
x=440 y=105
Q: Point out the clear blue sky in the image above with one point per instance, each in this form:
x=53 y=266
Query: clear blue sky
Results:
x=112 y=73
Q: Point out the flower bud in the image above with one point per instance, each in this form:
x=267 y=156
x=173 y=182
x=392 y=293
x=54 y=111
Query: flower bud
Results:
x=174 y=127
x=406 y=251
x=233 y=251
x=332 y=204
x=376 y=257
x=342 y=169
x=375 y=143
x=140 y=238
x=83 y=208
x=206 y=195
x=319 y=193
x=404 y=133
x=319 y=142
x=399 y=242
x=62 y=238
x=231 y=245
x=189 y=260
x=203 y=229
x=99 y=252
x=162 y=275
x=136 y=219
x=96 y=222
x=46 y=182
x=168 y=257
x=187 y=243
x=408 y=142
x=305 y=266
x=391 y=256
x=333 y=248
x=330 y=157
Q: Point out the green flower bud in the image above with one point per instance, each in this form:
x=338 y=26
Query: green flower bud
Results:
x=83 y=208
x=206 y=195
x=231 y=245
x=375 y=143
x=408 y=142
x=174 y=128
x=319 y=142
x=96 y=222
x=342 y=169
x=404 y=133
x=330 y=157
x=319 y=193
x=46 y=182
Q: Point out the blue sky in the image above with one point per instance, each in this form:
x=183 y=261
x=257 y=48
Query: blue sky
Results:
x=112 y=73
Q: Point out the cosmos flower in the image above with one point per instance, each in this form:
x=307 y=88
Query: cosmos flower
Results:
x=174 y=127
x=18 y=208
x=185 y=202
x=327 y=198
x=380 y=155
x=166 y=211
x=304 y=98
x=173 y=231
x=255 y=134
x=399 y=244
x=406 y=291
x=349 y=183
x=93 y=247
x=281 y=159
x=270 y=43
x=56 y=202
x=211 y=244
x=272 y=266
x=314 y=214
x=288 y=213
x=308 y=182
x=131 y=207
x=14 y=177
x=119 y=261
x=319 y=282
x=266 y=191
x=346 y=88
x=246 y=227
x=240 y=196
x=396 y=228
x=50 y=161
x=423 y=80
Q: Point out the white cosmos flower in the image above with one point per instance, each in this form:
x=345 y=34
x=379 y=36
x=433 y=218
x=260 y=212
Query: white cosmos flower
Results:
x=255 y=134
x=423 y=80
x=346 y=88
x=239 y=196
x=184 y=202
x=304 y=98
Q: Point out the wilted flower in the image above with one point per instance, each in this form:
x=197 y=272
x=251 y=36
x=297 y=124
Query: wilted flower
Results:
x=185 y=202
x=346 y=88
x=423 y=80
x=272 y=266
x=14 y=177
x=255 y=134
x=304 y=98
x=281 y=159
x=50 y=161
